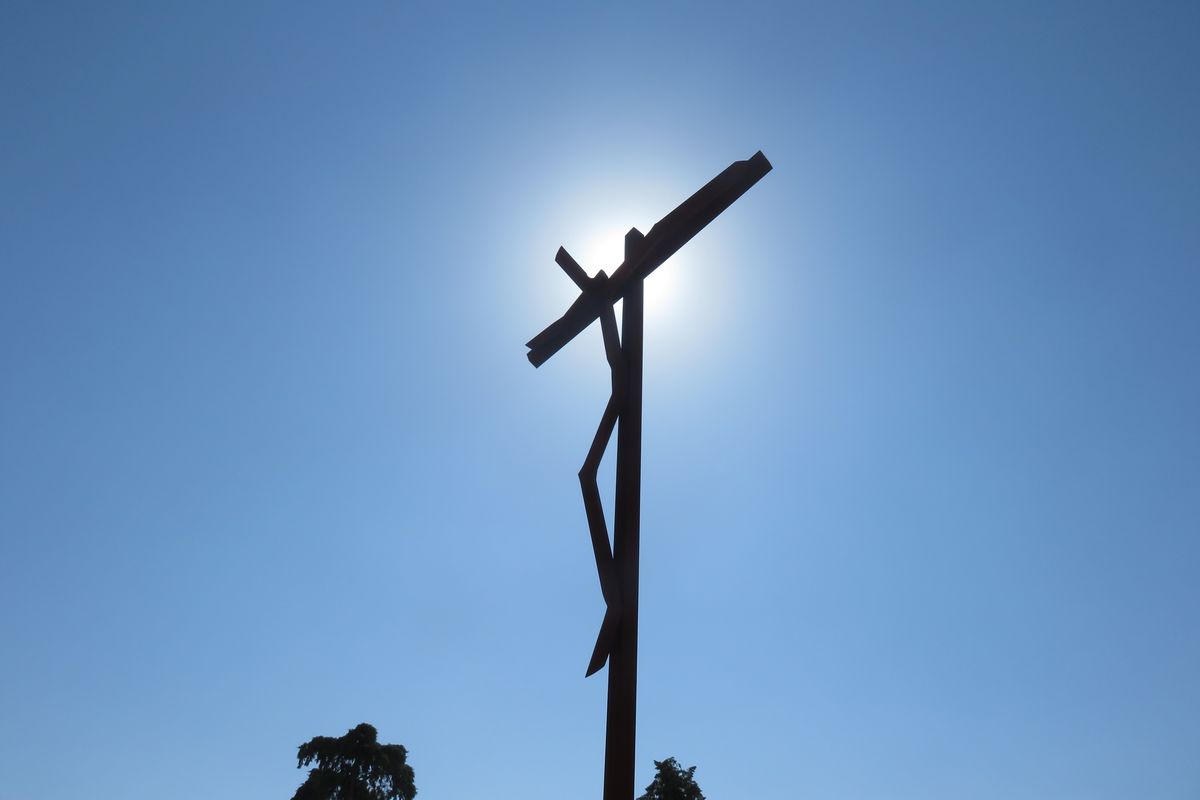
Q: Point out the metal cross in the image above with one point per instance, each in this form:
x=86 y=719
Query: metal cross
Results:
x=618 y=565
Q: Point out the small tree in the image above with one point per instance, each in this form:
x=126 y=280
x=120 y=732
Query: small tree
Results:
x=672 y=782
x=355 y=767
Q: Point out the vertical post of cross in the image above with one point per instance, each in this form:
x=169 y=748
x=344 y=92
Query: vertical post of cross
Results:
x=620 y=741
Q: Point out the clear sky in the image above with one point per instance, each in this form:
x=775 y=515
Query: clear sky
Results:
x=921 y=456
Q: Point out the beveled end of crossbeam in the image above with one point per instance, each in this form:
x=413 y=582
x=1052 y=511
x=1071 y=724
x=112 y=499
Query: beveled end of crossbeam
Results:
x=588 y=305
x=539 y=358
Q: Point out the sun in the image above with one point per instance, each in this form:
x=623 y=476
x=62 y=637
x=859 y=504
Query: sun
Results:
x=604 y=249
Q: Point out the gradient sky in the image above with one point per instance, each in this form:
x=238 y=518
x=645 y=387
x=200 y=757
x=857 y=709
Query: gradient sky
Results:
x=922 y=450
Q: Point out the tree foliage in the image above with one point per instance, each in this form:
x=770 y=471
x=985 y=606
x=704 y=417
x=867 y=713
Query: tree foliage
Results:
x=672 y=782
x=355 y=767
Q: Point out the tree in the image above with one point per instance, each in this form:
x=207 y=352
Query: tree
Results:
x=672 y=782
x=355 y=767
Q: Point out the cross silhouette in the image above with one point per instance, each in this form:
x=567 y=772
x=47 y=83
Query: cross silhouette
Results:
x=617 y=564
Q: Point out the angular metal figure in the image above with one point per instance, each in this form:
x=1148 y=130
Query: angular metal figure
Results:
x=618 y=565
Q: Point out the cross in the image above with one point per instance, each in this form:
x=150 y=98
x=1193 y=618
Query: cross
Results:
x=618 y=565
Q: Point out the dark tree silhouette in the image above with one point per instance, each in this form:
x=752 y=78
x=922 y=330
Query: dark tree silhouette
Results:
x=672 y=782
x=355 y=767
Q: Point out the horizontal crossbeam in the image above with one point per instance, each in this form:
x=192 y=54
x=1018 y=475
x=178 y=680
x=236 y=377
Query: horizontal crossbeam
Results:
x=662 y=241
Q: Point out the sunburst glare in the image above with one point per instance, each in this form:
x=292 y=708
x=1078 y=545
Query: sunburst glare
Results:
x=605 y=250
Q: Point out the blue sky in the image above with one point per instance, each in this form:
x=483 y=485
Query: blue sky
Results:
x=921 y=456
